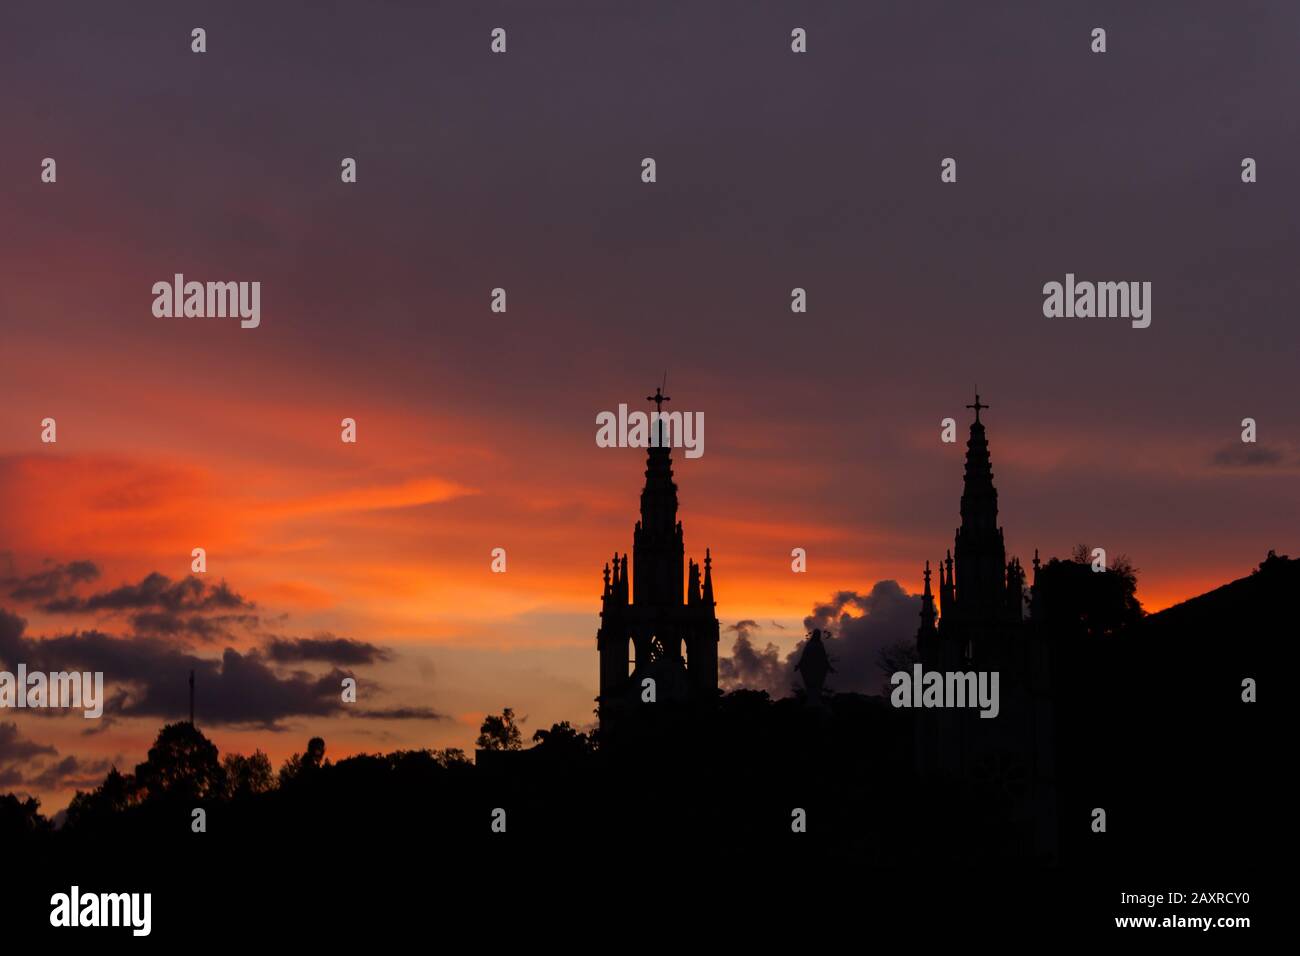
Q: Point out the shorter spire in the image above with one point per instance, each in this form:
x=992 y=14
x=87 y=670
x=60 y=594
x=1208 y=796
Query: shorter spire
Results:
x=708 y=579
x=927 y=603
x=947 y=589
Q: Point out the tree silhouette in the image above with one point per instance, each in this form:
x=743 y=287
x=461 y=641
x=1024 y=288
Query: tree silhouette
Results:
x=315 y=754
x=897 y=656
x=302 y=766
x=451 y=757
x=182 y=764
x=499 y=733
x=562 y=740
x=20 y=819
x=116 y=794
x=1072 y=599
x=247 y=775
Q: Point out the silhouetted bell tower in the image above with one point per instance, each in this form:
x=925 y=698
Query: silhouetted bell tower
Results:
x=649 y=628
x=981 y=627
x=980 y=557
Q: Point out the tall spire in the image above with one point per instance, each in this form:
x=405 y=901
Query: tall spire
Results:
x=980 y=579
x=658 y=439
x=658 y=551
x=659 y=497
x=979 y=499
x=708 y=579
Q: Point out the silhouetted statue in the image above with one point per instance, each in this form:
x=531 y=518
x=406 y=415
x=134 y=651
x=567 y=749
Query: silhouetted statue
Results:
x=814 y=664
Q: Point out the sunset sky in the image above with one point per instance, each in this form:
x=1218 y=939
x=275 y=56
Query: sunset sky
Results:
x=476 y=430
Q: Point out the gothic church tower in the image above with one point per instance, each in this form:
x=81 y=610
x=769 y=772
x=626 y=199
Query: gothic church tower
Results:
x=649 y=627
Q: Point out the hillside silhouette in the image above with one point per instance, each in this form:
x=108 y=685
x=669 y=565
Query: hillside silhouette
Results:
x=1150 y=726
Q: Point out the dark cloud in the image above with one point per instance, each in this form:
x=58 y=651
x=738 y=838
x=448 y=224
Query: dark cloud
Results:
x=889 y=615
x=752 y=668
x=325 y=647
x=160 y=606
x=14 y=746
x=156 y=592
x=22 y=765
x=49 y=583
x=1247 y=455
x=146 y=676
x=70 y=773
x=169 y=624
x=886 y=617
x=402 y=713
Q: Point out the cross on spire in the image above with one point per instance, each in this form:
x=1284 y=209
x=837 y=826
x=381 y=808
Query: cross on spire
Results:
x=659 y=398
x=977 y=406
